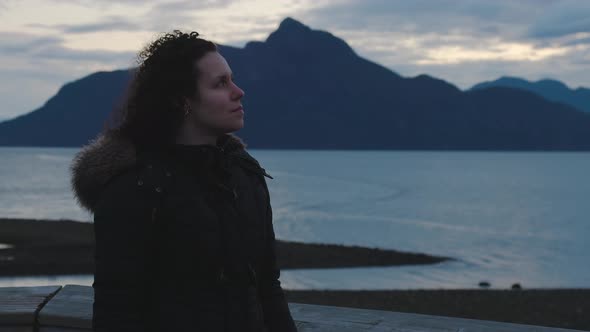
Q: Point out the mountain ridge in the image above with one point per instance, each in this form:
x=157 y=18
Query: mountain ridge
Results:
x=549 y=89
x=300 y=98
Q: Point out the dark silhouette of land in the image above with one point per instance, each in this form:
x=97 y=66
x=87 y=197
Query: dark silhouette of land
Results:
x=307 y=89
x=53 y=247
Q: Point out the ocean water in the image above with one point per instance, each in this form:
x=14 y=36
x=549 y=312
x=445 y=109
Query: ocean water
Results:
x=506 y=217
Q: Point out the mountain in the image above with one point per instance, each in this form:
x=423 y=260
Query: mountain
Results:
x=308 y=89
x=549 y=89
x=73 y=116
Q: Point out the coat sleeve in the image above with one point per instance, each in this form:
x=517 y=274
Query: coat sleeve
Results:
x=122 y=258
x=277 y=316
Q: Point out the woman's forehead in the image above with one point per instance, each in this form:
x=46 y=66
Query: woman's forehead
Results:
x=213 y=65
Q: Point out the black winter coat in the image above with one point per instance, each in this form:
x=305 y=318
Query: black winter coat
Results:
x=184 y=238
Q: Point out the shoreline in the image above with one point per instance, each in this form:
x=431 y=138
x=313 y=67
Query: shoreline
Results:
x=54 y=247
x=561 y=308
x=58 y=247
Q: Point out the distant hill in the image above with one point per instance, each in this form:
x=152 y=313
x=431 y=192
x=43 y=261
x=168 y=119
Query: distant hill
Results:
x=549 y=89
x=308 y=89
x=70 y=118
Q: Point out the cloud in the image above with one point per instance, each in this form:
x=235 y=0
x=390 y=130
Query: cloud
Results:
x=106 y=3
x=228 y=22
x=22 y=44
x=182 y=6
x=100 y=56
x=166 y=5
x=561 y=19
x=29 y=48
x=160 y=16
x=443 y=36
x=480 y=18
x=463 y=41
x=5 y=6
x=111 y=23
x=577 y=41
x=135 y=15
x=41 y=48
x=500 y=51
x=537 y=22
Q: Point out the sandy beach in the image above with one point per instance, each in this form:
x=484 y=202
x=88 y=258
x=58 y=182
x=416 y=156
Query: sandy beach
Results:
x=54 y=247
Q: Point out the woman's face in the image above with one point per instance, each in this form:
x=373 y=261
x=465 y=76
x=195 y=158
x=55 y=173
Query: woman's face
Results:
x=218 y=108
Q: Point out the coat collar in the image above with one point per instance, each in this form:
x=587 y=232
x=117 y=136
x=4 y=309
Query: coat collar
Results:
x=110 y=155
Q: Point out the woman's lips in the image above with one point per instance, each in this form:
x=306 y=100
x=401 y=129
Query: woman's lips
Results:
x=239 y=109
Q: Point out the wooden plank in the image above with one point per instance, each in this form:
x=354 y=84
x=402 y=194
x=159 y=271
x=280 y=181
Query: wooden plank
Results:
x=324 y=318
x=70 y=310
x=17 y=329
x=71 y=307
x=61 y=329
x=19 y=305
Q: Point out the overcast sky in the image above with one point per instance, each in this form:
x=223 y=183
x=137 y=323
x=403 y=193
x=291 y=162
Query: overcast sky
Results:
x=46 y=43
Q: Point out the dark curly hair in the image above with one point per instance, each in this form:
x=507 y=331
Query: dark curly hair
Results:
x=154 y=108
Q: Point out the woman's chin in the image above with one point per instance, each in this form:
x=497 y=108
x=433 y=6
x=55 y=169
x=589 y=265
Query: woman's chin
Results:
x=238 y=125
x=233 y=127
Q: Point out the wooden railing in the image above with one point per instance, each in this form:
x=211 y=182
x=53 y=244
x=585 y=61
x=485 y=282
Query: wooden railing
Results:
x=69 y=309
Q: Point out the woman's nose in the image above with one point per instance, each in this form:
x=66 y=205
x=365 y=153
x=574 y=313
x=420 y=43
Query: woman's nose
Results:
x=237 y=92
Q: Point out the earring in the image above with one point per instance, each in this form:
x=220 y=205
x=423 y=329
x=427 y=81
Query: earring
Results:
x=187 y=109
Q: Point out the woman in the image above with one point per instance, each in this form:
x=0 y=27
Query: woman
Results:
x=182 y=217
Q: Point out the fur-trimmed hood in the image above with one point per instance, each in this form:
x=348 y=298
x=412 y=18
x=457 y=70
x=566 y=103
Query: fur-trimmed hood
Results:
x=108 y=156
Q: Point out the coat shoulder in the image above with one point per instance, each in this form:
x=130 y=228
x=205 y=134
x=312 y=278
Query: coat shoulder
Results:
x=112 y=166
x=97 y=164
x=248 y=162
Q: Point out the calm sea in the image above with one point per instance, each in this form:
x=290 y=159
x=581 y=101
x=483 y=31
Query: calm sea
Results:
x=507 y=217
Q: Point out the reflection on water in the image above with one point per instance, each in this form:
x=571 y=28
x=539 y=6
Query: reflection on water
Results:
x=507 y=217
x=447 y=275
